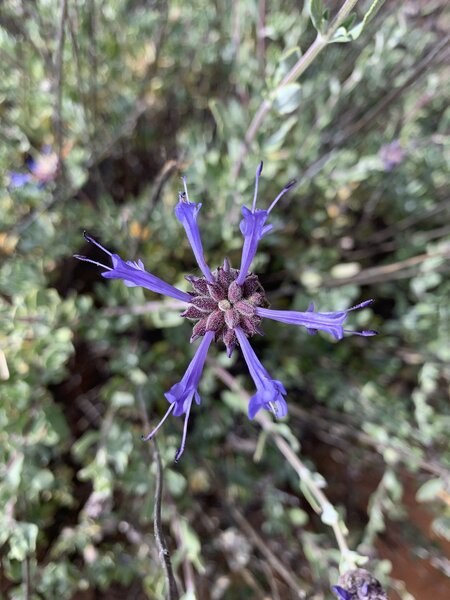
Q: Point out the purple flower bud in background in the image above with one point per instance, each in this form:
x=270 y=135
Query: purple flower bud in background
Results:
x=42 y=170
x=391 y=155
x=359 y=584
x=226 y=305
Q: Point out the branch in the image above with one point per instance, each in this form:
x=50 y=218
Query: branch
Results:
x=298 y=69
x=315 y=497
x=57 y=118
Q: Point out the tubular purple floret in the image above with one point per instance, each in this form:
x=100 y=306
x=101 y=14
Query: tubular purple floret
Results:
x=253 y=226
x=181 y=394
x=133 y=273
x=186 y=213
x=331 y=322
x=270 y=392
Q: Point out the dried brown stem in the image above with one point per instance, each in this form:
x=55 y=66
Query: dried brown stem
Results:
x=161 y=544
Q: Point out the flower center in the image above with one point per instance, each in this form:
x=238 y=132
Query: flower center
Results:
x=222 y=305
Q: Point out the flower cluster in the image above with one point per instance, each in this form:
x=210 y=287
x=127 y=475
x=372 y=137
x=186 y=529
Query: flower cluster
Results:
x=227 y=305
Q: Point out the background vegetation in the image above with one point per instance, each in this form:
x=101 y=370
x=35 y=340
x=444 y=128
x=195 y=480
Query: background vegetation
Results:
x=128 y=95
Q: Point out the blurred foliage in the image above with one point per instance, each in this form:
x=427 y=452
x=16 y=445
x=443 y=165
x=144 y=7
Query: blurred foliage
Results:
x=130 y=94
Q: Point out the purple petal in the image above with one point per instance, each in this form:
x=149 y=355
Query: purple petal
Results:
x=17 y=180
x=341 y=593
x=270 y=391
x=186 y=212
x=182 y=393
x=331 y=322
x=253 y=226
x=253 y=229
x=133 y=274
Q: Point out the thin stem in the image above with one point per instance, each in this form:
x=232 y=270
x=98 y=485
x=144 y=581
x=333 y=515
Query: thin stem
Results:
x=57 y=116
x=164 y=554
x=298 y=69
x=161 y=544
x=188 y=571
x=276 y=564
x=27 y=577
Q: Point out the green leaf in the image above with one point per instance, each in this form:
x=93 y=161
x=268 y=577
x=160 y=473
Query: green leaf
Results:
x=429 y=490
x=288 y=59
x=276 y=140
x=287 y=98
x=347 y=32
x=22 y=541
x=318 y=15
x=329 y=515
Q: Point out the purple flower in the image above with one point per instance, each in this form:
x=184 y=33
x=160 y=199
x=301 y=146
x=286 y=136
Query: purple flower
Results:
x=391 y=155
x=19 y=179
x=226 y=305
x=41 y=171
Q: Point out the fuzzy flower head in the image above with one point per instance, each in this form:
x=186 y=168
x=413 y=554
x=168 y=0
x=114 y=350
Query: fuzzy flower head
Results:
x=226 y=305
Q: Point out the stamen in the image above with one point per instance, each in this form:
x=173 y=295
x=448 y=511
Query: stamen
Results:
x=94 y=262
x=273 y=408
x=361 y=305
x=149 y=436
x=364 y=333
x=183 y=439
x=185 y=188
x=90 y=239
x=258 y=175
x=286 y=188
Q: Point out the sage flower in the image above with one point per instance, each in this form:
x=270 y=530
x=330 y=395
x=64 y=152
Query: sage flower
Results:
x=225 y=305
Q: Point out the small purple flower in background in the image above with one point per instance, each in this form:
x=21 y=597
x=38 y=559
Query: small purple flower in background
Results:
x=359 y=584
x=41 y=171
x=391 y=155
x=226 y=305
